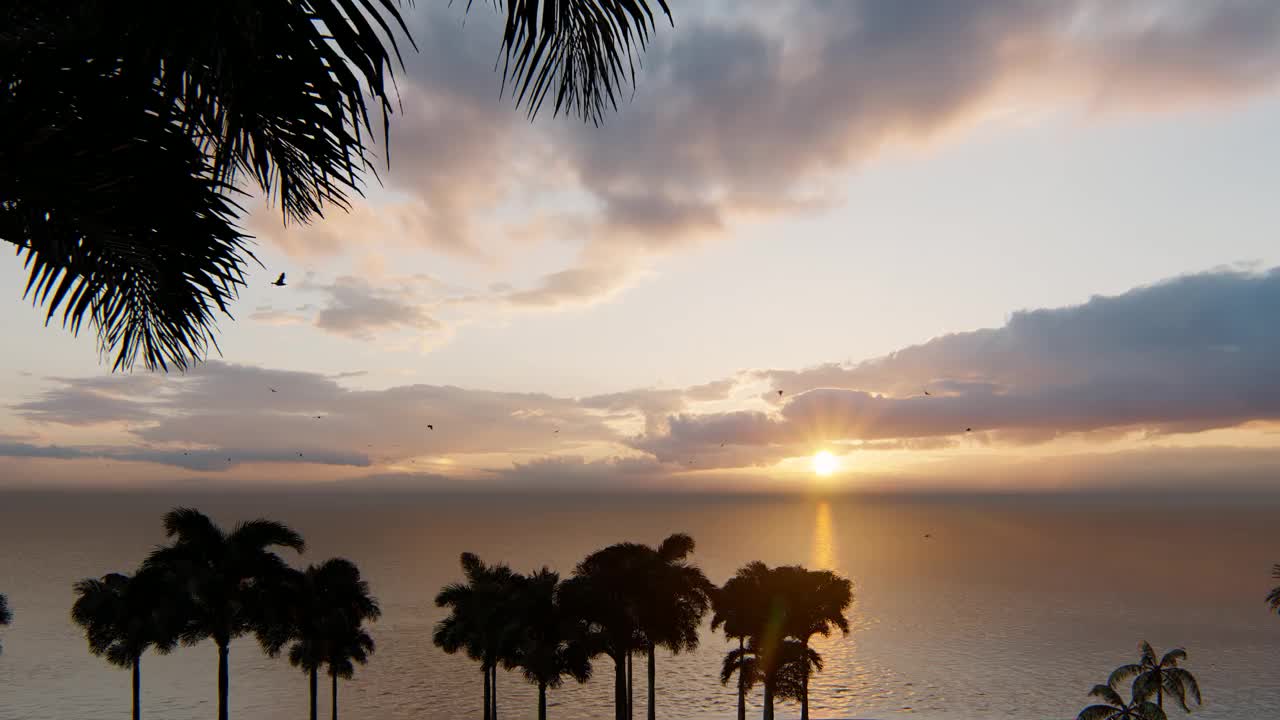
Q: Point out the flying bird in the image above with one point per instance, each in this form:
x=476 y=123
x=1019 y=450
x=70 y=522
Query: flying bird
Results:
x=319 y=417
x=927 y=536
x=556 y=431
x=779 y=393
x=279 y=281
x=271 y=389
x=927 y=393
x=968 y=429
x=431 y=427
x=299 y=454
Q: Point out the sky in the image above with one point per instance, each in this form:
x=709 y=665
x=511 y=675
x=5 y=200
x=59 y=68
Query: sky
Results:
x=1055 y=218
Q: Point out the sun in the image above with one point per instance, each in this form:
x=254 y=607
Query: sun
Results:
x=824 y=463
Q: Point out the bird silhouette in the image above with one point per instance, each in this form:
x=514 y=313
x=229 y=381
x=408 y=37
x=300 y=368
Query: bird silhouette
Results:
x=779 y=393
x=927 y=536
x=186 y=453
x=279 y=281
x=927 y=393
x=431 y=427
x=318 y=417
x=271 y=389
x=228 y=459
x=556 y=431
x=968 y=429
x=299 y=454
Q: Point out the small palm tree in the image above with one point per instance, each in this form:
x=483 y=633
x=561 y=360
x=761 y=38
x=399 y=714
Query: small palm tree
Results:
x=6 y=615
x=675 y=597
x=231 y=581
x=548 y=644
x=319 y=609
x=1157 y=676
x=1114 y=707
x=122 y=617
x=819 y=601
x=479 y=621
x=738 y=608
x=346 y=649
x=604 y=592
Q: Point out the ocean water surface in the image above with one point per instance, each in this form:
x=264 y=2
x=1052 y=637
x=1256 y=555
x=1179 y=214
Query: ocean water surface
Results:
x=1013 y=608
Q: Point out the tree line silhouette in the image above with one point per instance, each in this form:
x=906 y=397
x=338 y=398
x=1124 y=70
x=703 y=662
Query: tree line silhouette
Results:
x=624 y=600
x=210 y=584
x=630 y=599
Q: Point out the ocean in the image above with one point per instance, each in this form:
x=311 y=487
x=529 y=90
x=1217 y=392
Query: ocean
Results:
x=1013 y=608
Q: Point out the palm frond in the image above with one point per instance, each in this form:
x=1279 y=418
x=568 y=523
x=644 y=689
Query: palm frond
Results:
x=579 y=52
x=261 y=534
x=1123 y=673
x=6 y=615
x=1099 y=712
x=190 y=525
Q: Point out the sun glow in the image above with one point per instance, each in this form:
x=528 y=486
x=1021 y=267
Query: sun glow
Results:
x=824 y=463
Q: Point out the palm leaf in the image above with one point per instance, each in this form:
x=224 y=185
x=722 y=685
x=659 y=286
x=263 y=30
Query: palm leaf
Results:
x=579 y=52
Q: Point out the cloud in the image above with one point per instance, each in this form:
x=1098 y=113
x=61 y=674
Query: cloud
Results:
x=751 y=107
x=1181 y=361
x=225 y=458
x=1187 y=355
x=357 y=309
x=219 y=410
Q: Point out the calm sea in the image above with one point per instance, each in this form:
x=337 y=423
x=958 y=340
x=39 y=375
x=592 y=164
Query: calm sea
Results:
x=1013 y=608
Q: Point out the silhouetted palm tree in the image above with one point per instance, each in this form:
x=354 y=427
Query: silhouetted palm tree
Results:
x=6 y=615
x=346 y=649
x=675 y=597
x=1114 y=707
x=821 y=598
x=231 y=581
x=547 y=644
x=320 y=609
x=738 y=608
x=604 y=592
x=479 y=620
x=122 y=616
x=1157 y=676
x=129 y=132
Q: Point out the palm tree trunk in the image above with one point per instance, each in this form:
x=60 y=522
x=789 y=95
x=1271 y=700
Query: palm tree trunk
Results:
x=620 y=687
x=315 y=683
x=542 y=701
x=1160 y=694
x=630 y=687
x=768 y=700
x=742 y=686
x=137 y=688
x=224 y=679
x=804 y=685
x=334 y=707
x=493 y=713
x=488 y=702
x=653 y=674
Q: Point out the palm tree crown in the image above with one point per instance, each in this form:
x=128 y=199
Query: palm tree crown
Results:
x=548 y=645
x=479 y=621
x=1273 y=597
x=1159 y=676
x=320 y=611
x=231 y=582
x=132 y=129
x=1114 y=707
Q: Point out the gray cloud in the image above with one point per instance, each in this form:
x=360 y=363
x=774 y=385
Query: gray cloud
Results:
x=358 y=309
x=218 y=410
x=752 y=106
x=1190 y=354
x=222 y=459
